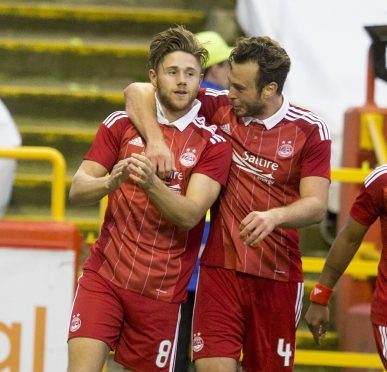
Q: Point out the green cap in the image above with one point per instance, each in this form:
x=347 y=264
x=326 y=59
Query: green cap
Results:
x=218 y=49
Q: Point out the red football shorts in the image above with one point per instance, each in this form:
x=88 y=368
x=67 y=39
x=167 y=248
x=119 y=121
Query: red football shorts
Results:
x=141 y=330
x=380 y=333
x=235 y=311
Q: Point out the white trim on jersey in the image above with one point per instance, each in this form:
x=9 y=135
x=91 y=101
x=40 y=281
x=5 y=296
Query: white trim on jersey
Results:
x=199 y=121
x=215 y=93
x=172 y=361
x=295 y=113
x=298 y=305
x=76 y=293
x=113 y=117
x=383 y=336
x=376 y=173
x=216 y=138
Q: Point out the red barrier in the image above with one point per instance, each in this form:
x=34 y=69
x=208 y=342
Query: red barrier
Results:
x=38 y=271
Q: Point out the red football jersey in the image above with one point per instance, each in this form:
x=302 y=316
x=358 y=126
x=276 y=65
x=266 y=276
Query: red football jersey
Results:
x=269 y=159
x=370 y=204
x=138 y=248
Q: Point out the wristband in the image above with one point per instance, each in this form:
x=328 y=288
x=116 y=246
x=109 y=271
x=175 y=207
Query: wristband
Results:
x=320 y=294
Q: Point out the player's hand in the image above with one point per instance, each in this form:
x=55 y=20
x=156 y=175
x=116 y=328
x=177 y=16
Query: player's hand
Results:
x=256 y=226
x=161 y=157
x=317 y=318
x=118 y=175
x=142 y=171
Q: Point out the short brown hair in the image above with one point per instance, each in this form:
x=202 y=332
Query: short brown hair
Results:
x=172 y=40
x=271 y=58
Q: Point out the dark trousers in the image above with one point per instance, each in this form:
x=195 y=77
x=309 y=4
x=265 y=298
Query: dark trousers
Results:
x=183 y=357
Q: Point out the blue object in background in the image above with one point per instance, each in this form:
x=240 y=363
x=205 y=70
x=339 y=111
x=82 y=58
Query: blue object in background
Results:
x=194 y=278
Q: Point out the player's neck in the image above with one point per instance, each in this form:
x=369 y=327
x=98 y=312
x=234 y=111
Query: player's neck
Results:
x=272 y=105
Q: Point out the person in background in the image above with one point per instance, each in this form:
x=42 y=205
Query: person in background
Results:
x=250 y=285
x=370 y=204
x=136 y=276
x=217 y=66
x=9 y=137
x=215 y=77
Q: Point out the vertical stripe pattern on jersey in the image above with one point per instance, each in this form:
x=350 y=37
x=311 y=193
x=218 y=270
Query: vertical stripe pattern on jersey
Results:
x=151 y=260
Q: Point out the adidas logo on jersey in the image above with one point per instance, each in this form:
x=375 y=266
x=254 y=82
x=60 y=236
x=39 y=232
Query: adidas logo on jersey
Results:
x=137 y=142
x=226 y=128
x=316 y=291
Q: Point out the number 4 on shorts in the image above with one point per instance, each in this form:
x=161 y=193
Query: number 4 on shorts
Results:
x=284 y=351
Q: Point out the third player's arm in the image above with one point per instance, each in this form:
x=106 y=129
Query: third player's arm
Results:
x=340 y=255
x=307 y=210
x=342 y=251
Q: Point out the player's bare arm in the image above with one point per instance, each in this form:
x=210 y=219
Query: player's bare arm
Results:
x=183 y=211
x=340 y=255
x=91 y=181
x=309 y=209
x=140 y=106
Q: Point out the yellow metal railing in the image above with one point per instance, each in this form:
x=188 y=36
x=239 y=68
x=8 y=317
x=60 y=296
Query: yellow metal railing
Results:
x=337 y=359
x=372 y=135
x=349 y=175
x=59 y=170
x=357 y=266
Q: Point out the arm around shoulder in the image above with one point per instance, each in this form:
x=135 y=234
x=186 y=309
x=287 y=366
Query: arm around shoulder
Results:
x=140 y=106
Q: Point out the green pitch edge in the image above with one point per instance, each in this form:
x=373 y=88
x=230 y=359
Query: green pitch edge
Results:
x=69 y=46
x=36 y=180
x=84 y=224
x=80 y=135
x=115 y=97
x=100 y=13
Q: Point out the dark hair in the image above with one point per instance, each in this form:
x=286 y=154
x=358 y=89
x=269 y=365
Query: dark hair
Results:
x=173 y=40
x=271 y=58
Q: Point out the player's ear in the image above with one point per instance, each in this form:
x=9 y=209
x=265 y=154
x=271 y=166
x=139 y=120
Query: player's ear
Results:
x=153 y=77
x=270 y=89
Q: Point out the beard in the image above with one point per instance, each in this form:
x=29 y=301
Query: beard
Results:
x=256 y=109
x=173 y=104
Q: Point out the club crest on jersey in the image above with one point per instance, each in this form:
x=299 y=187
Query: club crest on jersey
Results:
x=75 y=323
x=197 y=343
x=188 y=158
x=285 y=149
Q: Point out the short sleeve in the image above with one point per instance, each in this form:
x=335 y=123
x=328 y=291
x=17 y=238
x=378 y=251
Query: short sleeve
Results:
x=213 y=101
x=215 y=160
x=105 y=147
x=316 y=160
x=369 y=204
